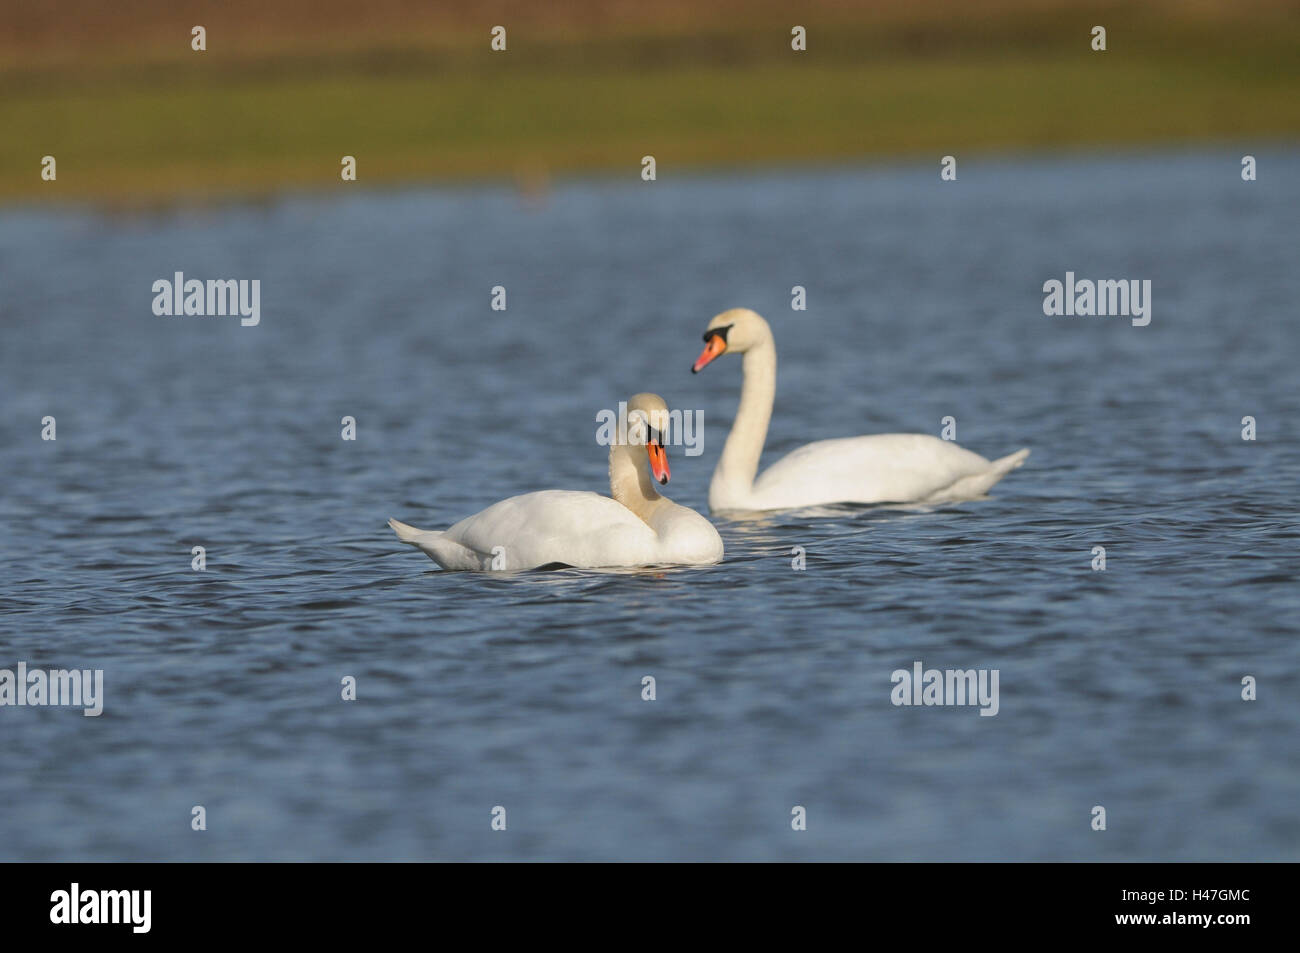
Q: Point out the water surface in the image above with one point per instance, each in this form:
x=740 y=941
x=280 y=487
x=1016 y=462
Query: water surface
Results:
x=1118 y=688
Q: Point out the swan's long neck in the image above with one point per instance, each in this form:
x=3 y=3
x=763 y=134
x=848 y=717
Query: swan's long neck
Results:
x=733 y=479
x=629 y=479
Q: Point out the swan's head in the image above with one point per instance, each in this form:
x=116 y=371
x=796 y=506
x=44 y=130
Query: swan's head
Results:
x=732 y=332
x=647 y=421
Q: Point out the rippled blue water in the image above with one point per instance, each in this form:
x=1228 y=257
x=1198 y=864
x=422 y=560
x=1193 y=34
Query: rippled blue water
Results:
x=1118 y=688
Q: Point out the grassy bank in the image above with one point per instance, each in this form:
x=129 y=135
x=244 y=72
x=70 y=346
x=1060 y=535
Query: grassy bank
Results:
x=141 y=118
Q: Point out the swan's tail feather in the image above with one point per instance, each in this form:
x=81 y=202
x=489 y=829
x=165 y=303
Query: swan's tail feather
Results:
x=977 y=484
x=1004 y=465
x=410 y=534
x=438 y=546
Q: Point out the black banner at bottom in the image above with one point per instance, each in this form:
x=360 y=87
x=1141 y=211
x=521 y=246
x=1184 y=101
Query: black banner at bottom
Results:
x=89 y=903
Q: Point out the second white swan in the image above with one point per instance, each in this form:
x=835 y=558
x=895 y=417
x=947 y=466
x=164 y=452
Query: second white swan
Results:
x=882 y=468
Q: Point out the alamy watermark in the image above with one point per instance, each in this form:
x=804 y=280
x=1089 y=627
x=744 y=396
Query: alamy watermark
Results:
x=77 y=688
x=668 y=428
x=216 y=296
x=1108 y=297
x=947 y=687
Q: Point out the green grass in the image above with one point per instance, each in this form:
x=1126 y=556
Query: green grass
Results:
x=143 y=132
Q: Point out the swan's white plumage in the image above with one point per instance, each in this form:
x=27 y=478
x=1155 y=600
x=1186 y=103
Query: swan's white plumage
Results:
x=577 y=528
x=880 y=468
x=893 y=467
x=571 y=528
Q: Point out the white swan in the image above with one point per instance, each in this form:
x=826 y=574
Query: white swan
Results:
x=882 y=468
x=638 y=527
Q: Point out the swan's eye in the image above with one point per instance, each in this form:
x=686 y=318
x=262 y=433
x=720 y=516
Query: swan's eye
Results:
x=656 y=437
x=718 y=333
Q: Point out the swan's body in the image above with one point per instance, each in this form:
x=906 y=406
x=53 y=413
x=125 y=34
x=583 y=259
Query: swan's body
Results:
x=882 y=468
x=634 y=527
x=569 y=528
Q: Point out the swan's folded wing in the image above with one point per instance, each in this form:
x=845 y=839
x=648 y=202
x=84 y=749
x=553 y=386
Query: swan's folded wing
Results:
x=881 y=468
x=558 y=526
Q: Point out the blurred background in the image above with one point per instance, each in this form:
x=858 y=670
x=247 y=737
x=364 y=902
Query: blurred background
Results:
x=413 y=90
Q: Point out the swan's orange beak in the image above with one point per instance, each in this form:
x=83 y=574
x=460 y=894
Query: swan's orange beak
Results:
x=658 y=461
x=714 y=345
